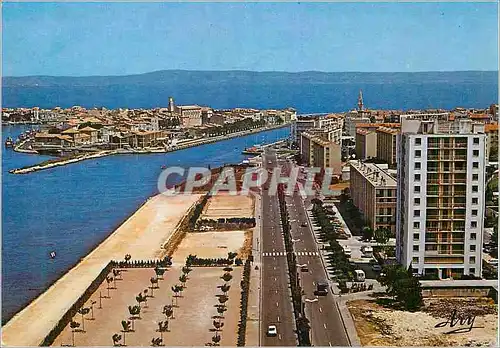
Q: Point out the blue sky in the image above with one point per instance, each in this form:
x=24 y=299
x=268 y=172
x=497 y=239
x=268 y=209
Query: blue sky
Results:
x=75 y=39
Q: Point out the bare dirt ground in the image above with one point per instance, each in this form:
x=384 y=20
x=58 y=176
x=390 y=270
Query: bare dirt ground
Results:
x=209 y=245
x=378 y=326
x=192 y=319
x=226 y=206
x=141 y=236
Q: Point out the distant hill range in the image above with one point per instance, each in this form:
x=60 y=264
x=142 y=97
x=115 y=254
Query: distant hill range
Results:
x=182 y=77
x=308 y=91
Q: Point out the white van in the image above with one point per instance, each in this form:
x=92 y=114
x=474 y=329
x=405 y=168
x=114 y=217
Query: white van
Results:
x=347 y=251
x=359 y=275
x=367 y=251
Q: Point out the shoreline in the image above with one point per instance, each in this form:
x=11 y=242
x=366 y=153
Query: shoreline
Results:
x=74 y=264
x=139 y=234
x=198 y=142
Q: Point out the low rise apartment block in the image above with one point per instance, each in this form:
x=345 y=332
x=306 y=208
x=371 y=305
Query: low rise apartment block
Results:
x=366 y=144
x=373 y=191
x=321 y=153
x=386 y=145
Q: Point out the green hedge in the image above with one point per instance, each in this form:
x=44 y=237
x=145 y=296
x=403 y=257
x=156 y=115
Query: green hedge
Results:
x=245 y=287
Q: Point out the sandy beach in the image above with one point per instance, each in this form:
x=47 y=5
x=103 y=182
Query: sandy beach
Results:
x=141 y=236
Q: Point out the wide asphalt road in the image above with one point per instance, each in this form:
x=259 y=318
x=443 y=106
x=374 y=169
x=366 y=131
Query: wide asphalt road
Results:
x=276 y=302
x=326 y=324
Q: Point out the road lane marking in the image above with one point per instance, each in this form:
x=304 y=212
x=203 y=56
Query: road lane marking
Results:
x=277 y=304
x=279 y=336
x=278 y=319
x=320 y=310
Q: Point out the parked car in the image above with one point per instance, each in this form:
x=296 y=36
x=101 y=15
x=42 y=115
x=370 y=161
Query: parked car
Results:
x=304 y=269
x=376 y=268
x=272 y=330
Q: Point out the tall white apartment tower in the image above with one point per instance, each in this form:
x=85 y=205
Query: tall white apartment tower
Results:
x=440 y=197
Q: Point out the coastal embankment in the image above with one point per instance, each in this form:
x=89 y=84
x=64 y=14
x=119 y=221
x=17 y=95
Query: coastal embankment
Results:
x=184 y=145
x=141 y=235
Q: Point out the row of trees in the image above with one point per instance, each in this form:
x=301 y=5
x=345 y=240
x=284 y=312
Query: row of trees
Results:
x=229 y=223
x=221 y=307
x=197 y=212
x=168 y=309
x=238 y=126
x=344 y=270
x=302 y=323
x=245 y=288
x=193 y=260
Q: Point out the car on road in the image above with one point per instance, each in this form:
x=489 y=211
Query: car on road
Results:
x=272 y=330
x=303 y=224
x=304 y=269
x=493 y=262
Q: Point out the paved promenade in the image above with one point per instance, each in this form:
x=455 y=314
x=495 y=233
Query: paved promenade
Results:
x=141 y=236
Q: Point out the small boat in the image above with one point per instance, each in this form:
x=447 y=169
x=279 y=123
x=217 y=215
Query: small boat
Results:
x=9 y=142
x=52 y=254
x=163 y=167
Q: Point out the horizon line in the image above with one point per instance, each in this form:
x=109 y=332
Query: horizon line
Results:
x=258 y=72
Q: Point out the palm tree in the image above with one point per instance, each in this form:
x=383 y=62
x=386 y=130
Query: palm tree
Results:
x=116 y=339
x=221 y=309
x=73 y=325
x=134 y=311
x=162 y=327
x=227 y=277
x=128 y=257
x=175 y=290
x=168 y=310
x=154 y=285
x=92 y=303
x=109 y=280
x=126 y=328
x=225 y=288
x=186 y=270
x=83 y=311
x=145 y=298
x=159 y=272
x=156 y=342
x=183 y=280
x=117 y=273
x=216 y=339
x=223 y=299
x=231 y=255
x=140 y=298
x=218 y=325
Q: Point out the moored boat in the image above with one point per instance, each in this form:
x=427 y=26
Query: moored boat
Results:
x=9 y=142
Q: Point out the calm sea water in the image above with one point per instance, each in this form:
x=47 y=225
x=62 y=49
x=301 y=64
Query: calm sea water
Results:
x=71 y=209
x=306 y=97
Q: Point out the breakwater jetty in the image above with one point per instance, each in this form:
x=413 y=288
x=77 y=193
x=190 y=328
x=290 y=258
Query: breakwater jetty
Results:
x=184 y=145
x=60 y=162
